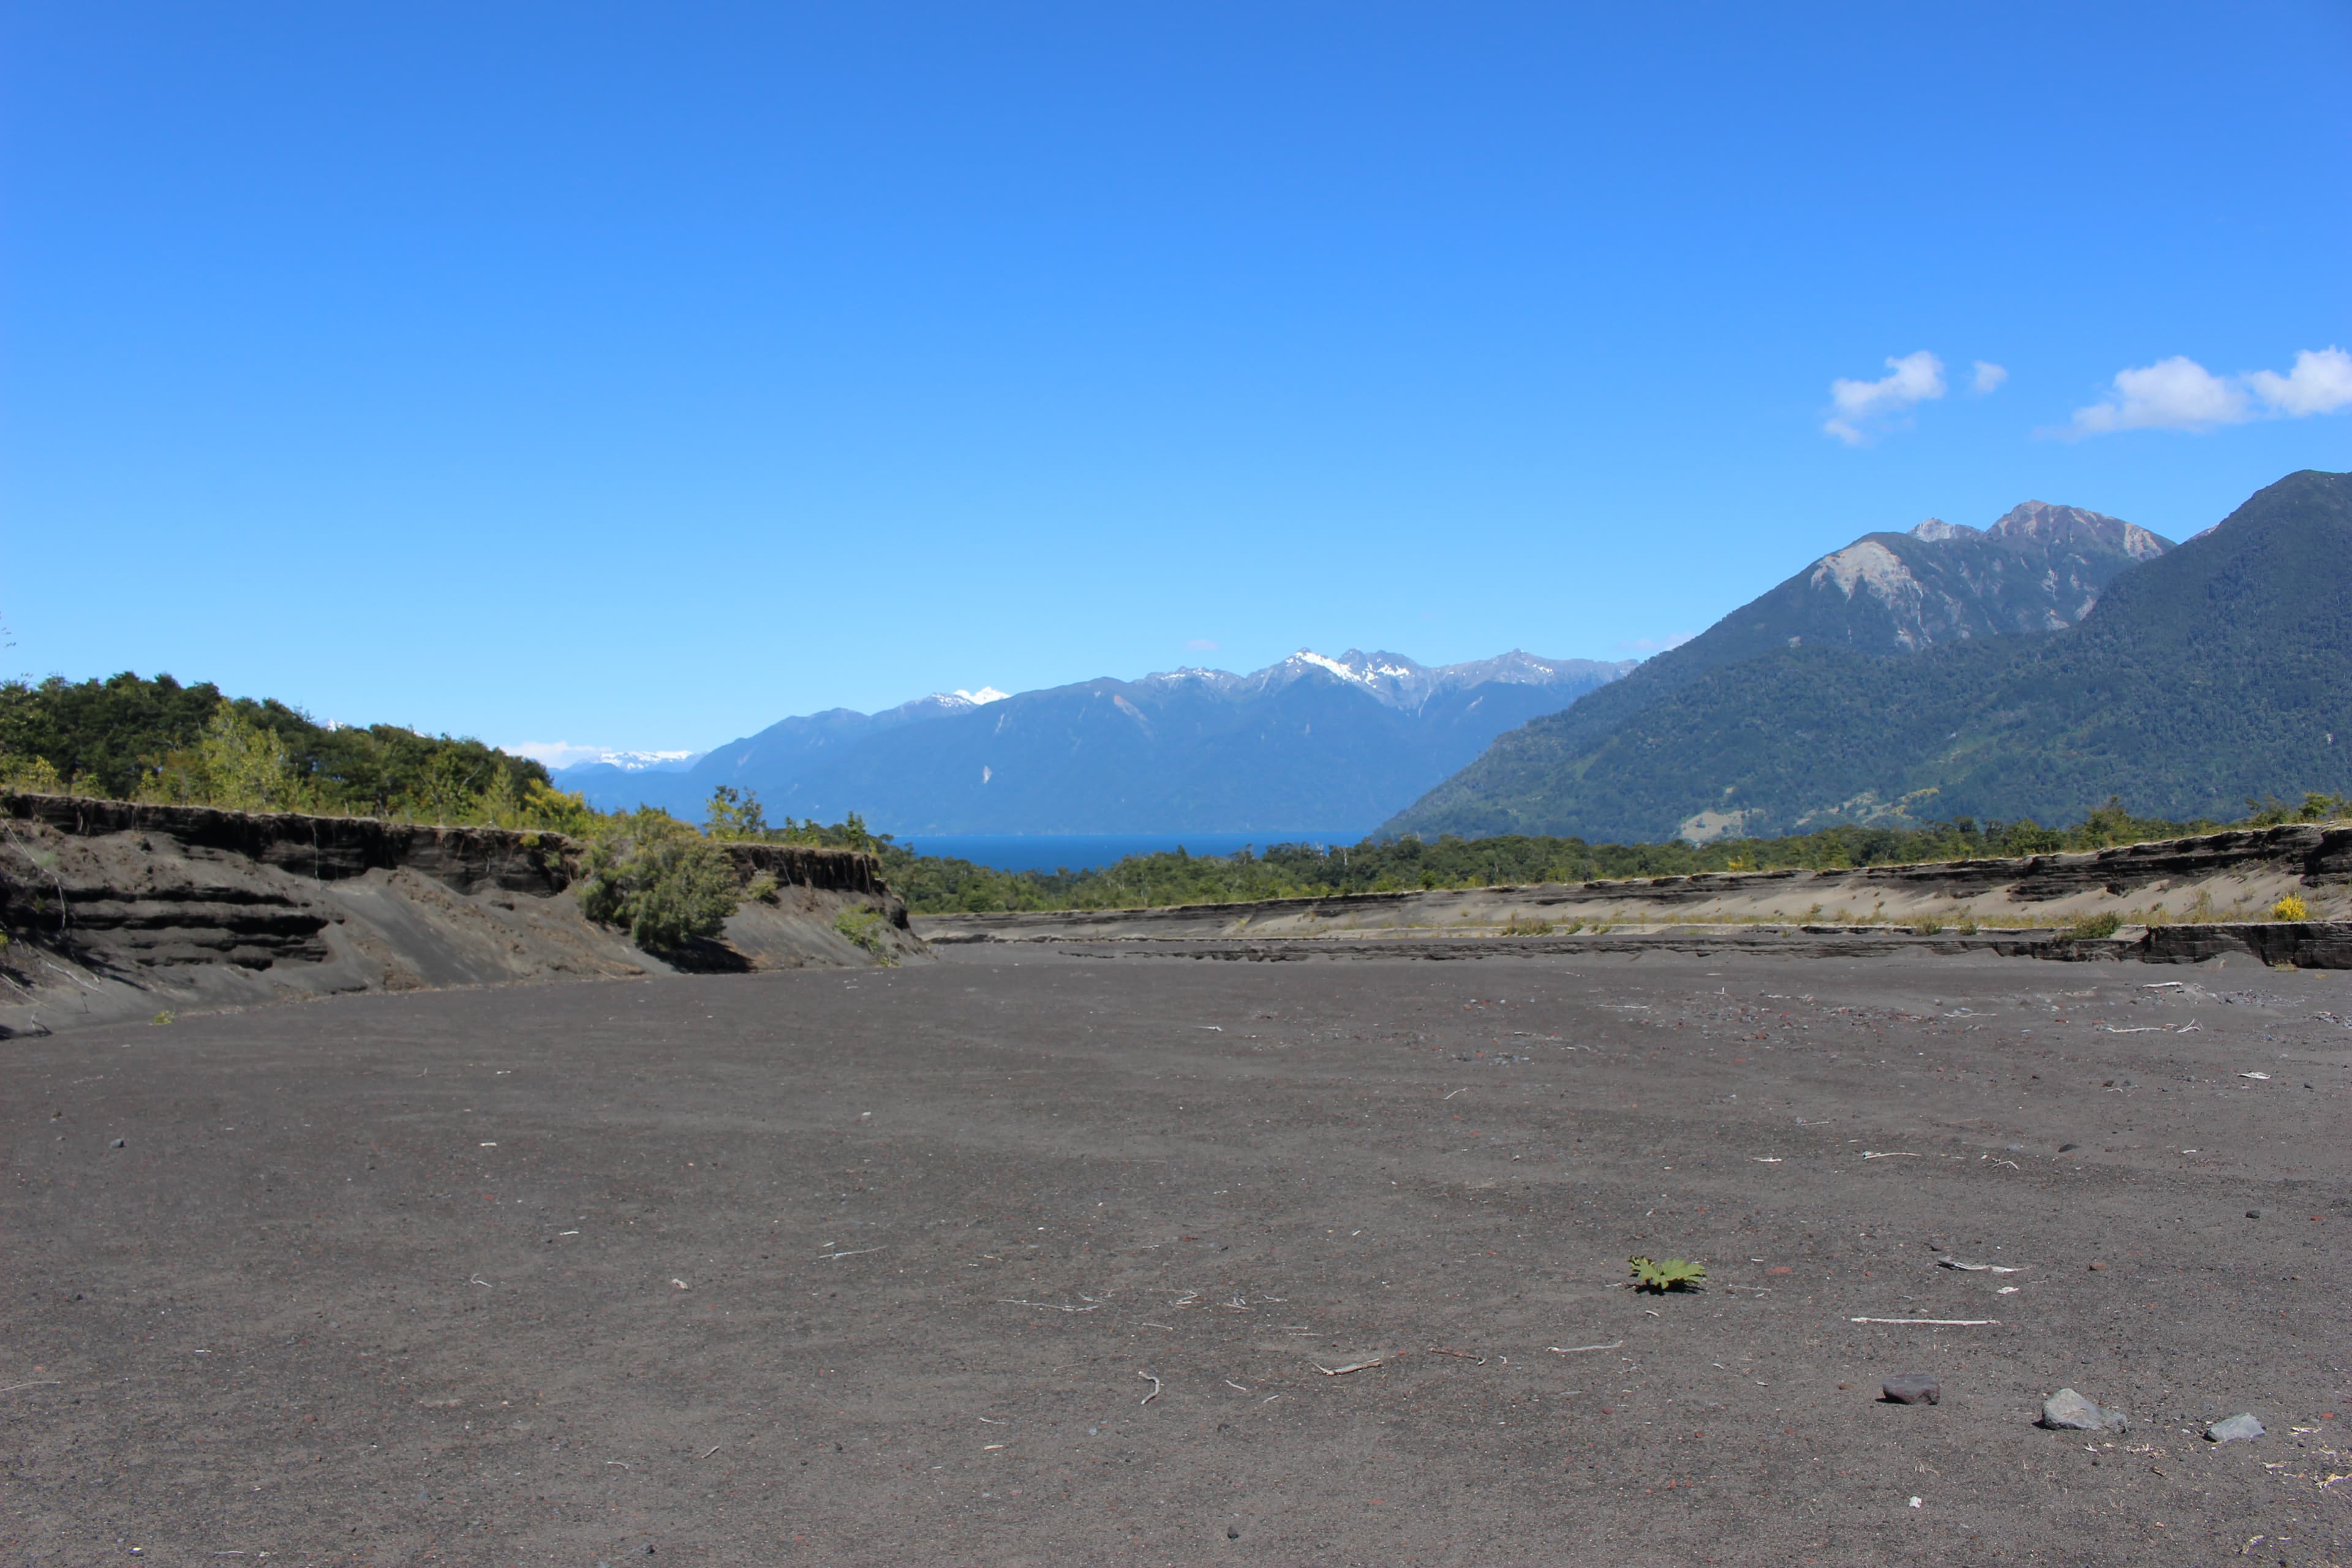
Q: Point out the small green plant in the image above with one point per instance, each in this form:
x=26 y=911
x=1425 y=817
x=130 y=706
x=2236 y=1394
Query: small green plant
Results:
x=761 y=889
x=1931 y=926
x=864 y=929
x=1674 y=1274
x=165 y=1016
x=2095 y=928
x=2291 y=908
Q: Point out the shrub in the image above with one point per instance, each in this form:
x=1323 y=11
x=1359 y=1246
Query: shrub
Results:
x=2093 y=928
x=761 y=889
x=864 y=929
x=659 y=880
x=2291 y=908
x=1931 y=926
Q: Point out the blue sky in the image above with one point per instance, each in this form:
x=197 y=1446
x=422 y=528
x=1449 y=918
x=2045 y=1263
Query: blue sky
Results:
x=638 y=375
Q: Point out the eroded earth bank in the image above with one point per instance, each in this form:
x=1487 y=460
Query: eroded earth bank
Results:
x=116 y=911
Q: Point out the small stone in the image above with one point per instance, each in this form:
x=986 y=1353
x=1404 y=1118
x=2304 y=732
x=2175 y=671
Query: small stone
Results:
x=116 y=1144
x=1233 y=1532
x=1913 y=1388
x=2236 y=1429
x=2098 y=1268
x=2253 y=1213
x=2068 y=1148
x=2017 y=1148
x=2070 y=1412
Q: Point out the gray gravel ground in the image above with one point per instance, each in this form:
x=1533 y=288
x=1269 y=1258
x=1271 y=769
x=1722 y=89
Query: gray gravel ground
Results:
x=879 y=1267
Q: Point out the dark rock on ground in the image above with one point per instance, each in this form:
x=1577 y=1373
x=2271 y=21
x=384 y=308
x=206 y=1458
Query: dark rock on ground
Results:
x=1913 y=1388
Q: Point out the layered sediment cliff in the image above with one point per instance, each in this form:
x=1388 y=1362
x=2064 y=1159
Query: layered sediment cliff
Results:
x=2215 y=886
x=114 y=909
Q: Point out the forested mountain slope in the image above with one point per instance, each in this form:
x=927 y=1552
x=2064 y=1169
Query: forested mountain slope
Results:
x=2216 y=670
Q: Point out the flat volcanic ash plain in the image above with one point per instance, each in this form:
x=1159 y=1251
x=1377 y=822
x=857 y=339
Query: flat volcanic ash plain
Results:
x=1031 y=1258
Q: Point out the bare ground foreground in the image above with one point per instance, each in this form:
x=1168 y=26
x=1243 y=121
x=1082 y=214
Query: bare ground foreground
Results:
x=884 y=1267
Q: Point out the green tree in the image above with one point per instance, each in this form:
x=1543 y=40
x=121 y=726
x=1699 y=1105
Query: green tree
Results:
x=660 y=880
x=246 y=767
x=730 y=815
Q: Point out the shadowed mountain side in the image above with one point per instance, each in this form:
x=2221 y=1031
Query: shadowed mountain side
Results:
x=1310 y=745
x=1112 y=757
x=2219 y=670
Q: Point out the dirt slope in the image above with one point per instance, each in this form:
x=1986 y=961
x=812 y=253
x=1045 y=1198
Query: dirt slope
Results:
x=2208 y=882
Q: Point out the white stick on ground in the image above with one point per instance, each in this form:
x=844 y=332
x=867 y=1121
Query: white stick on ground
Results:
x=1155 y=1388
x=1572 y=1349
x=1342 y=1371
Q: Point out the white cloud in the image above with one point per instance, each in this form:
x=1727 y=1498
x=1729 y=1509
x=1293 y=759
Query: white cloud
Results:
x=1865 y=405
x=1989 y=377
x=1202 y=644
x=2179 y=394
x=2175 y=393
x=2319 y=383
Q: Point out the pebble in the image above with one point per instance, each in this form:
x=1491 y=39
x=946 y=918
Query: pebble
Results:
x=2236 y=1429
x=2098 y=1268
x=2253 y=1213
x=116 y=1144
x=2069 y=1411
x=1913 y=1388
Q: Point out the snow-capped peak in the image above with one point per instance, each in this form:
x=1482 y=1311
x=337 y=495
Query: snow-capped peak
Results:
x=1325 y=661
x=984 y=697
x=559 y=755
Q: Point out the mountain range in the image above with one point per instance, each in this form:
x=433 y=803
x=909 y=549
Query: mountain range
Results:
x=1311 y=745
x=2035 y=669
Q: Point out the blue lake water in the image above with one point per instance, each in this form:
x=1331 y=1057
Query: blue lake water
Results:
x=1083 y=851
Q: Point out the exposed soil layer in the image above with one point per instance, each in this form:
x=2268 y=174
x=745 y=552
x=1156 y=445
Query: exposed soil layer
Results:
x=880 y=1268
x=2229 y=878
x=116 y=911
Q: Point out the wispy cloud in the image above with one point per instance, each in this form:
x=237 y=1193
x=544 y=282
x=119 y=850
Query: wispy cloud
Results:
x=2179 y=394
x=1989 y=377
x=1863 y=408
x=1202 y=644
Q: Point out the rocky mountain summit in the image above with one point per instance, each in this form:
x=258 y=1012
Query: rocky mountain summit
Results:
x=2037 y=568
